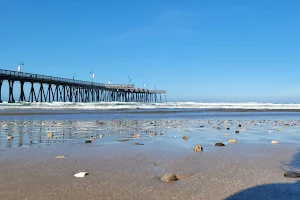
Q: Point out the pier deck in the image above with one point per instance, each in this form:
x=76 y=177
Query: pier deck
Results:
x=70 y=90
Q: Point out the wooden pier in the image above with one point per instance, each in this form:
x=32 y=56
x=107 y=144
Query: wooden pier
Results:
x=52 y=88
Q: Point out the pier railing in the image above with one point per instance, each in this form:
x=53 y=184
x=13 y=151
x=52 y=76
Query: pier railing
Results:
x=61 y=80
x=48 y=78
